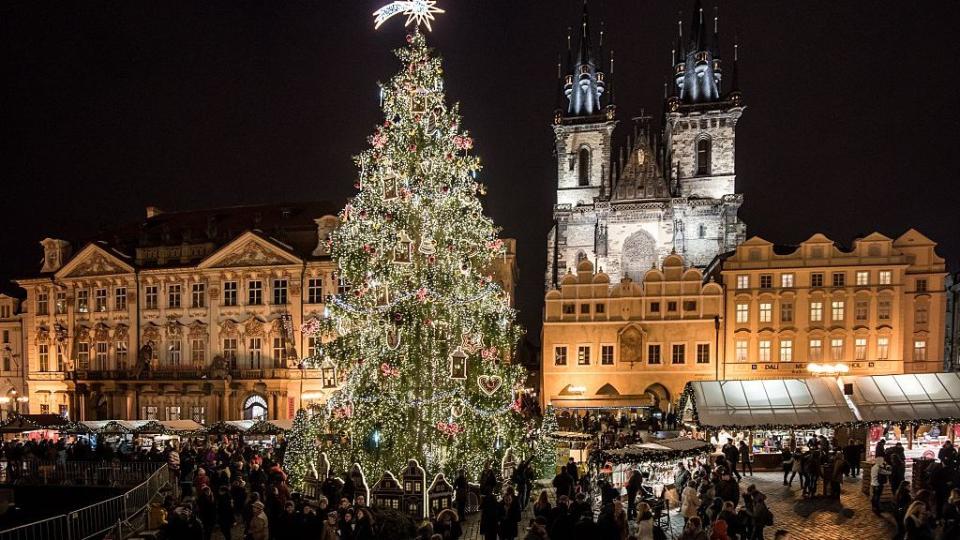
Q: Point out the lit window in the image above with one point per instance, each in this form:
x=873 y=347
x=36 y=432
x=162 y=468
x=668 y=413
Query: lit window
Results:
x=679 y=355
x=653 y=354
x=120 y=298
x=173 y=296
x=786 y=312
x=766 y=281
x=703 y=353
x=61 y=303
x=198 y=415
x=743 y=282
x=83 y=301
x=255 y=293
x=560 y=356
x=860 y=348
x=816 y=279
x=883 y=348
x=863 y=278
x=765 y=346
x=836 y=310
x=816 y=311
x=839 y=279
x=100 y=300
x=741 y=350
x=583 y=355
x=342 y=286
x=743 y=313
x=816 y=350
x=279 y=292
x=229 y=293
x=886 y=277
x=150 y=296
x=198 y=293
x=43 y=353
x=920 y=350
x=786 y=281
x=173 y=412
x=315 y=291
x=329 y=375
x=786 y=350
x=606 y=355
x=148 y=412
x=766 y=312
x=836 y=349
x=312 y=343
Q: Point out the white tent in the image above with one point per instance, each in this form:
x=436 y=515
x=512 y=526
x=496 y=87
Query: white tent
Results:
x=901 y=398
x=788 y=402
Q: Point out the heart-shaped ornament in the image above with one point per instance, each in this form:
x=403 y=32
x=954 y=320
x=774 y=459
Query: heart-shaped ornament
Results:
x=489 y=383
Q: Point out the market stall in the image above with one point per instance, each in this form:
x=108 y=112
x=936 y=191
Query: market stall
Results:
x=267 y=432
x=35 y=426
x=656 y=459
x=769 y=414
x=159 y=432
x=573 y=444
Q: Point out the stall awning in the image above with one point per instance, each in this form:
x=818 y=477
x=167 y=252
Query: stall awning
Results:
x=603 y=402
x=22 y=423
x=920 y=397
x=270 y=427
x=798 y=403
x=661 y=451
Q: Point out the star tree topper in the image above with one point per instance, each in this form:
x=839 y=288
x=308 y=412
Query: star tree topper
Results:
x=417 y=12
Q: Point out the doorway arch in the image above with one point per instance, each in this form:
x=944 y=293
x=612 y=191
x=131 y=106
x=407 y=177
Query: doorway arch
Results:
x=658 y=393
x=255 y=407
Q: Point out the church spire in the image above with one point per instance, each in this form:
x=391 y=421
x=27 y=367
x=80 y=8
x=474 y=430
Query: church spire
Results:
x=585 y=85
x=696 y=67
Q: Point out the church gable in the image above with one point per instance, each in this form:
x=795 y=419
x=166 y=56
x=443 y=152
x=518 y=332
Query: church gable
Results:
x=94 y=260
x=249 y=249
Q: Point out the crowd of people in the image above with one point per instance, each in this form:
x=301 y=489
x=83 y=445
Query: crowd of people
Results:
x=620 y=429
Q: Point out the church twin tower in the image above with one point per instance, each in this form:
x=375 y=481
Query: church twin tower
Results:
x=672 y=191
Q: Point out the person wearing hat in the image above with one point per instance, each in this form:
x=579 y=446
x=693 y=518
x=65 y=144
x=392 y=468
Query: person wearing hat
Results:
x=330 y=526
x=259 y=528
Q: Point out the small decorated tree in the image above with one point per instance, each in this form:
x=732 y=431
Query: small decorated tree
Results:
x=546 y=456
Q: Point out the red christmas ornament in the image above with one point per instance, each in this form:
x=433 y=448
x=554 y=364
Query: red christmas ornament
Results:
x=412 y=148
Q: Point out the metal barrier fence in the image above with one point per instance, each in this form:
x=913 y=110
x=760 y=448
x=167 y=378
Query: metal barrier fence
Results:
x=76 y=473
x=96 y=519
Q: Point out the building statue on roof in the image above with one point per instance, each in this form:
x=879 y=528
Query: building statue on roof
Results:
x=670 y=187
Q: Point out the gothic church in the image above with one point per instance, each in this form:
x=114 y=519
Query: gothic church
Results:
x=672 y=191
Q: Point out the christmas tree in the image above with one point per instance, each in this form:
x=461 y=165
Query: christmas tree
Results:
x=423 y=338
x=546 y=457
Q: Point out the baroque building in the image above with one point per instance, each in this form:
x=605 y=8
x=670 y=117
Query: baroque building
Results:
x=188 y=315
x=12 y=370
x=667 y=192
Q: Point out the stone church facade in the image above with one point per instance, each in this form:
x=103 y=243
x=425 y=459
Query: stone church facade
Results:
x=672 y=191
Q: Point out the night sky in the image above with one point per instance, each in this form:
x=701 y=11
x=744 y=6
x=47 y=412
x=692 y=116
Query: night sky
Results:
x=851 y=121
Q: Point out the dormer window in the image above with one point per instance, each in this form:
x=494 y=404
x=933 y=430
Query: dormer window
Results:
x=703 y=156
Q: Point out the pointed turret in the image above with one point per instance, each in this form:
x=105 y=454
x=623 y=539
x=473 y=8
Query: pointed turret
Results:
x=585 y=86
x=696 y=68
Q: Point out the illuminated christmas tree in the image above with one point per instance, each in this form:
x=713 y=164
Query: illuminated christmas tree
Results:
x=545 y=461
x=422 y=340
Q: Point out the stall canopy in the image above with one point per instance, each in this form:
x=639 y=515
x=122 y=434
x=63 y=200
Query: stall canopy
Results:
x=168 y=427
x=661 y=451
x=920 y=397
x=798 y=403
x=22 y=423
x=230 y=427
x=270 y=427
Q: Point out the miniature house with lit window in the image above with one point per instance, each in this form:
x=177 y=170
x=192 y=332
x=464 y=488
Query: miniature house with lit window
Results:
x=387 y=492
x=414 y=490
x=440 y=494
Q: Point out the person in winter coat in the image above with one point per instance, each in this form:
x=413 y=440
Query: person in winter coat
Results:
x=689 y=502
x=786 y=461
x=207 y=511
x=719 y=530
x=330 y=526
x=919 y=524
x=951 y=515
x=633 y=487
x=510 y=520
x=542 y=507
x=745 y=463
x=728 y=489
x=644 y=522
x=693 y=530
x=490 y=515
x=225 y=516
x=762 y=516
x=259 y=528
x=448 y=525
x=365 y=525
x=563 y=483
x=878 y=477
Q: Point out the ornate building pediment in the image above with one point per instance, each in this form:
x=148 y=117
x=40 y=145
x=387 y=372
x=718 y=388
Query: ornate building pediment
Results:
x=151 y=332
x=249 y=249
x=198 y=329
x=253 y=327
x=229 y=327
x=94 y=261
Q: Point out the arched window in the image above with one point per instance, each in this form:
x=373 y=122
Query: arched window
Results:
x=255 y=408
x=703 y=156
x=584 y=165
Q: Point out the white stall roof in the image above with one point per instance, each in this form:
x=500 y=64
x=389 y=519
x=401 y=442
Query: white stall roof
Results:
x=900 y=398
x=788 y=402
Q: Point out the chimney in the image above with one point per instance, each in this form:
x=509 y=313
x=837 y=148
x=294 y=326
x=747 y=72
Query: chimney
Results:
x=153 y=211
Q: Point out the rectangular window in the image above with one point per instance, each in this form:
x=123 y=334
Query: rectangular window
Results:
x=254 y=293
x=861 y=309
x=83 y=301
x=836 y=349
x=584 y=309
x=743 y=313
x=60 y=358
x=860 y=348
x=255 y=352
x=654 y=307
x=569 y=309
x=173 y=296
x=6 y=336
x=198 y=415
x=173 y=412
x=740 y=350
x=315 y=290
x=671 y=307
x=150 y=297
x=863 y=278
x=173 y=354
x=198 y=352
x=786 y=312
x=689 y=305
x=312 y=343
x=766 y=312
x=816 y=350
x=839 y=279
x=583 y=355
x=786 y=281
x=279 y=352
x=42 y=307
x=920 y=314
x=45 y=408
x=600 y=309
x=43 y=353
x=743 y=281
x=786 y=350
x=329 y=376
x=886 y=277
x=921 y=285
x=816 y=279
x=653 y=354
x=836 y=310
x=765 y=346
x=883 y=348
x=920 y=350
x=101 y=353
x=560 y=356
x=148 y=412
x=83 y=356
x=342 y=286
x=120 y=298
x=606 y=355
x=679 y=353
x=766 y=281
x=198 y=293
x=121 y=354
x=229 y=293
x=61 y=303
x=883 y=310
x=100 y=300
x=816 y=311
x=279 y=292
x=703 y=353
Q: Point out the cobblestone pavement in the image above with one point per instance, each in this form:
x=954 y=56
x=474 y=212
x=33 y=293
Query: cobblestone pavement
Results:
x=820 y=518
